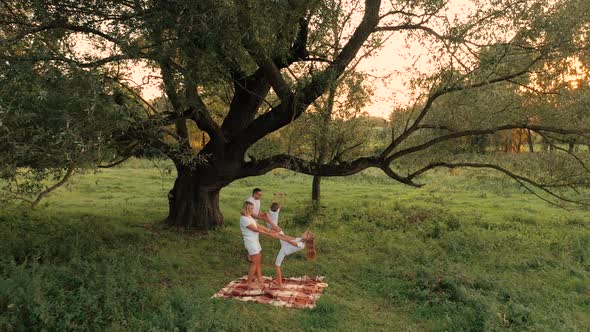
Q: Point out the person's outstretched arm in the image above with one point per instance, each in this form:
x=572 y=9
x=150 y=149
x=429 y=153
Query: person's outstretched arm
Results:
x=263 y=230
x=274 y=226
x=289 y=239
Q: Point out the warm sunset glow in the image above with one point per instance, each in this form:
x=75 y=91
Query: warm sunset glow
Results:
x=390 y=69
x=577 y=73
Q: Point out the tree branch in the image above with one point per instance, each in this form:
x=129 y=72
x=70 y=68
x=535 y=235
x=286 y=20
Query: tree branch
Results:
x=406 y=180
x=200 y=114
x=434 y=96
x=45 y=192
x=519 y=178
x=92 y=64
x=259 y=167
x=298 y=51
x=292 y=108
x=249 y=94
x=580 y=161
x=113 y=164
x=255 y=49
x=464 y=133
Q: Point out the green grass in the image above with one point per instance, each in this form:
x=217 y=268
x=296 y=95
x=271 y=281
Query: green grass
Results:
x=467 y=252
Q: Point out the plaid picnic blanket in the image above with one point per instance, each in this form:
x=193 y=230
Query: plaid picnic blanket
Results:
x=299 y=292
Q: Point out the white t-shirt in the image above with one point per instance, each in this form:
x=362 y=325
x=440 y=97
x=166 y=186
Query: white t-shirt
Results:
x=256 y=203
x=249 y=235
x=287 y=249
x=274 y=217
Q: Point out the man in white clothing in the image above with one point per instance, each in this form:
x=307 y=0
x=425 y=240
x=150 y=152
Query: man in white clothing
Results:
x=255 y=200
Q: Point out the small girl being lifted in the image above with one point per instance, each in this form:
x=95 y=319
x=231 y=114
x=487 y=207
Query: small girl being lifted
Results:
x=290 y=245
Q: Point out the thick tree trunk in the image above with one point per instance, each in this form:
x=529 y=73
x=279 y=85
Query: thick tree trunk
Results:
x=323 y=147
x=317 y=183
x=315 y=190
x=317 y=180
x=193 y=205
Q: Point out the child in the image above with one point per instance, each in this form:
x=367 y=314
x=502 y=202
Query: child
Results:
x=250 y=231
x=290 y=245
x=273 y=212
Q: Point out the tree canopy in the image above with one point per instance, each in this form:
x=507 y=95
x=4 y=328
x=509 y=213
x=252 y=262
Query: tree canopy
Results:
x=242 y=70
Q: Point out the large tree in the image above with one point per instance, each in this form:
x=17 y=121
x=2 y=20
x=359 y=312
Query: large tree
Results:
x=271 y=60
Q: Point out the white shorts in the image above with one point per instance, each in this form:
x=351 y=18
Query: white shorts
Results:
x=253 y=247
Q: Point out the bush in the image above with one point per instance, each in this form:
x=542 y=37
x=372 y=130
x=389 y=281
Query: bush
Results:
x=86 y=295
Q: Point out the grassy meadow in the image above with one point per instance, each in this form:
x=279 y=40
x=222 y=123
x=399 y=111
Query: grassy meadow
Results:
x=470 y=251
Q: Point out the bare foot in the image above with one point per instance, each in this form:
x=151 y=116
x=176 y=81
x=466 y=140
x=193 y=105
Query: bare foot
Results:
x=276 y=284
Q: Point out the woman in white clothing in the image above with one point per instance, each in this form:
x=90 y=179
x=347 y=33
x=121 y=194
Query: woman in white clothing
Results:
x=250 y=231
